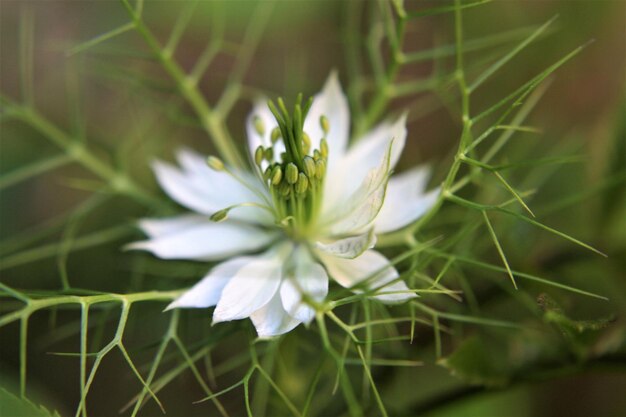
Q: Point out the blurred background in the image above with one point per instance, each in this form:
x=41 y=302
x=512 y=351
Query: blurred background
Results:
x=116 y=97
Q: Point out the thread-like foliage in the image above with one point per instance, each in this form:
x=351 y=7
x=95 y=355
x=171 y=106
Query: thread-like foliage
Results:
x=353 y=339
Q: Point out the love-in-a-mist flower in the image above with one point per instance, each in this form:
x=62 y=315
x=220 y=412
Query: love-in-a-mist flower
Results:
x=309 y=209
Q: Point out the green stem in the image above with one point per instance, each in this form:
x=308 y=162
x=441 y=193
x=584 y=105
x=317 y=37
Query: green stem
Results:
x=466 y=135
x=382 y=96
x=211 y=121
x=118 y=181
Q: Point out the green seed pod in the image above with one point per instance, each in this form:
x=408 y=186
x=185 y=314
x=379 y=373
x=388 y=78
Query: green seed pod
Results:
x=268 y=173
x=309 y=166
x=316 y=155
x=291 y=173
x=258 y=155
x=269 y=154
x=277 y=175
x=303 y=184
x=215 y=163
x=325 y=124
x=275 y=135
x=259 y=126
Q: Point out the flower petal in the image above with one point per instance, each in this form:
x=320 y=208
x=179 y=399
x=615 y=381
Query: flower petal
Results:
x=362 y=157
x=272 y=319
x=362 y=206
x=372 y=271
x=350 y=247
x=253 y=286
x=207 y=292
x=405 y=201
x=160 y=227
x=332 y=103
x=206 y=191
x=205 y=241
x=307 y=279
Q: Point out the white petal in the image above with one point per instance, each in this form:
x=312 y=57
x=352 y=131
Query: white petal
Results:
x=332 y=103
x=307 y=279
x=361 y=207
x=350 y=247
x=206 y=191
x=160 y=227
x=362 y=157
x=372 y=271
x=206 y=241
x=405 y=200
x=272 y=319
x=207 y=292
x=253 y=286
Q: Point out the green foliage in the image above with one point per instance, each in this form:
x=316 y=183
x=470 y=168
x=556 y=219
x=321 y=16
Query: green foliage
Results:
x=476 y=363
x=477 y=260
x=11 y=405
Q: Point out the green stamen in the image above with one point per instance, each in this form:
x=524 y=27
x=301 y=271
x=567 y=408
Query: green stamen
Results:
x=296 y=181
x=277 y=175
x=309 y=166
x=275 y=135
x=219 y=216
x=302 y=184
x=291 y=174
x=215 y=163
x=258 y=155
x=259 y=126
x=325 y=124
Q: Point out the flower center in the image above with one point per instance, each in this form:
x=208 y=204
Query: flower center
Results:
x=294 y=177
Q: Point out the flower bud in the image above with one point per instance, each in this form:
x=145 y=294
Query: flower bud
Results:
x=302 y=184
x=269 y=154
x=291 y=173
x=215 y=163
x=268 y=173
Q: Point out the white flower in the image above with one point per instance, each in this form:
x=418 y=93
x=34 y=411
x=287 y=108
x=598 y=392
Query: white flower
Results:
x=312 y=204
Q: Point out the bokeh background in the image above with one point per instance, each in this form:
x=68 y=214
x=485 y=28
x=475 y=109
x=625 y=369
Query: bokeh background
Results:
x=116 y=96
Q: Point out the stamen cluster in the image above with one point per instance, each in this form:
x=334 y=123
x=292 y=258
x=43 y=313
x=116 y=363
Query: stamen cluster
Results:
x=294 y=177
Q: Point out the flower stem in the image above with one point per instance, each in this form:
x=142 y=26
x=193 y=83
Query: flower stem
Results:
x=211 y=120
x=118 y=181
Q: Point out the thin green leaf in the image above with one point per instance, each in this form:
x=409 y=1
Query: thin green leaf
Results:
x=100 y=38
x=444 y=9
x=506 y=58
x=496 y=242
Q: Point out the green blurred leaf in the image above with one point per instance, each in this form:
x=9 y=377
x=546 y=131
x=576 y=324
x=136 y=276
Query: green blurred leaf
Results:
x=473 y=362
x=616 y=167
x=13 y=406
x=581 y=334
